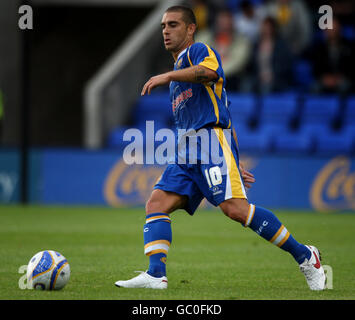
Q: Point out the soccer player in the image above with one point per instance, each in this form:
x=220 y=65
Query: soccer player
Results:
x=199 y=102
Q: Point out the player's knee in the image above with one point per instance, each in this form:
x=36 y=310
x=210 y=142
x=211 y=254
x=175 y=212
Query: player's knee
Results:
x=236 y=209
x=159 y=201
x=152 y=206
x=236 y=215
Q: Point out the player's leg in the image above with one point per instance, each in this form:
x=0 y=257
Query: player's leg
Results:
x=264 y=222
x=157 y=229
x=175 y=190
x=157 y=239
x=268 y=226
x=236 y=206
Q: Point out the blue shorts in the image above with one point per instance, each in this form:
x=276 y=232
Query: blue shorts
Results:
x=213 y=173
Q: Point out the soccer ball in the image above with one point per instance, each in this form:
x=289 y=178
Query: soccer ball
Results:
x=48 y=270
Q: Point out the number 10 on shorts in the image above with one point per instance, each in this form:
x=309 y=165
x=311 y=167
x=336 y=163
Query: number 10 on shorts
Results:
x=213 y=176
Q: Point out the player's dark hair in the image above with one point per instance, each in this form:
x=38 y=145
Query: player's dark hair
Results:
x=188 y=15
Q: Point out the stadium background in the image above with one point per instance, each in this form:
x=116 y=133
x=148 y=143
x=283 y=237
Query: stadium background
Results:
x=70 y=87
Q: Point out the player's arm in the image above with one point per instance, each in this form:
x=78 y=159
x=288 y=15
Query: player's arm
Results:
x=194 y=74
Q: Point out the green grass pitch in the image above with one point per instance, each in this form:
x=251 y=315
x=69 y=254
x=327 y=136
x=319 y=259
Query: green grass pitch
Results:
x=211 y=256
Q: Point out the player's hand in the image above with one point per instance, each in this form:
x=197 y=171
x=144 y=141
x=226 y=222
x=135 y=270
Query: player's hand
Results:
x=248 y=178
x=159 y=80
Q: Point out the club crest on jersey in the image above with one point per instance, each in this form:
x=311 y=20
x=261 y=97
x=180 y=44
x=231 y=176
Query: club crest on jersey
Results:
x=181 y=98
x=179 y=63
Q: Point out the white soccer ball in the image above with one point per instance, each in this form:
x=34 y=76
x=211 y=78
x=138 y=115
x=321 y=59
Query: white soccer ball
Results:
x=48 y=270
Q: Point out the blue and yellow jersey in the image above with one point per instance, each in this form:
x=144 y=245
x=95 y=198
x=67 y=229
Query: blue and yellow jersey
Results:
x=198 y=105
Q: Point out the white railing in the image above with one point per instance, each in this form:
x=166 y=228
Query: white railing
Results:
x=110 y=94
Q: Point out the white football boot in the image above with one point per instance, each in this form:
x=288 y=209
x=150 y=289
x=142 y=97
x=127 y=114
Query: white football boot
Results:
x=313 y=270
x=144 y=280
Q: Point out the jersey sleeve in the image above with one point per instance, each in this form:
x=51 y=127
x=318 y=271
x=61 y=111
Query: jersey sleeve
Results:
x=201 y=54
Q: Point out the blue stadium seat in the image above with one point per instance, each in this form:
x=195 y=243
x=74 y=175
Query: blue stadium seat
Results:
x=320 y=109
x=349 y=113
x=315 y=129
x=253 y=141
x=312 y=132
x=274 y=129
x=335 y=143
x=293 y=142
x=303 y=73
x=278 y=108
x=348 y=130
x=242 y=107
x=155 y=107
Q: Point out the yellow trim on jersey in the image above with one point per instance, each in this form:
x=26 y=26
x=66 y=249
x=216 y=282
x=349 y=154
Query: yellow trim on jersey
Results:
x=235 y=137
x=214 y=102
x=229 y=124
x=235 y=179
x=210 y=61
x=188 y=57
x=219 y=88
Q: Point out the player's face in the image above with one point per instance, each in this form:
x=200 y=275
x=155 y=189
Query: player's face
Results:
x=176 y=33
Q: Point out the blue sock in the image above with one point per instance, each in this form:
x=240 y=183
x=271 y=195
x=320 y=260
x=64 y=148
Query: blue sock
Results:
x=268 y=226
x=157 y=240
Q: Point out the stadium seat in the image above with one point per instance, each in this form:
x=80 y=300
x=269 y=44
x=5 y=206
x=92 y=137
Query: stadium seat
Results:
x=273 y=129
x=277 y=108
x=320 y=109
x=293 y=142
x=348 y=130
x=315 y=130
x=303 y=73
x=242 y=107
x=335 y=143
x=349 y=112
x=253 y=141
x=154 y=107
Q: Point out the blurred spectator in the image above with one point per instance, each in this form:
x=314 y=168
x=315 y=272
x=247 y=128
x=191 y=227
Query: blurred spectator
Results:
x=294 y=21
x=344 y=10
x=233 y=48
x=332 y=62
x=200 y=10
x=270 y=68
x=248 y=20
